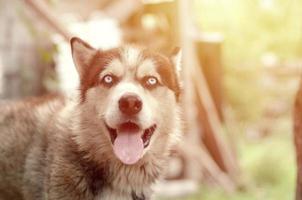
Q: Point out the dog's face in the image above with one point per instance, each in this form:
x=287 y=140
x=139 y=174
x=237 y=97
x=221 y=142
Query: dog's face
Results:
x=134 y=94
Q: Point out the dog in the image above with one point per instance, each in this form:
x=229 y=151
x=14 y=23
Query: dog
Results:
x=109 y=141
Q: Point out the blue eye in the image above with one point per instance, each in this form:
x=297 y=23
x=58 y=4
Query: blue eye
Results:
x=108 y=80
x=150 y=82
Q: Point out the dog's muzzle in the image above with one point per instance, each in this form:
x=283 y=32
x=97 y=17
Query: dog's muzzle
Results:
x=130 y=104
x=132 y=126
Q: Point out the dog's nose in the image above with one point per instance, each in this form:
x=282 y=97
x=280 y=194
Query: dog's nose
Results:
x=130 y=104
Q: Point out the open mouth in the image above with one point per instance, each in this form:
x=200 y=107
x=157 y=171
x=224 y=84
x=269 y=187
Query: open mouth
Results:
x=132 y=127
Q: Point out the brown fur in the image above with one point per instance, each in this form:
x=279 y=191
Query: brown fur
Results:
x=98 y=62
x=166 y=70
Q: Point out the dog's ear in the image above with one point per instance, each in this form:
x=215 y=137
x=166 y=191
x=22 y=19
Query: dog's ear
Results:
x=82 y=54
x=176 y=59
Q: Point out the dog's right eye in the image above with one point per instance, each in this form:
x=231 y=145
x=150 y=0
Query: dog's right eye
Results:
x=150 y=82
x=108 y=80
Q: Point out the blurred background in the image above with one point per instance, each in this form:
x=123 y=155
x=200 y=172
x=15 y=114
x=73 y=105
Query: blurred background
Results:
x=242 y=62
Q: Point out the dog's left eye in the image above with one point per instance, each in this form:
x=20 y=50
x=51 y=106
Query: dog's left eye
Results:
x=108 y=80
x=150 y=81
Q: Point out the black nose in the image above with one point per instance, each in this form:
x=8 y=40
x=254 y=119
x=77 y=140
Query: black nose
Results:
x=130 y=104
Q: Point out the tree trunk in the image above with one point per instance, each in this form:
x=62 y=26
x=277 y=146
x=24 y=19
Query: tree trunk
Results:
x=298 y=141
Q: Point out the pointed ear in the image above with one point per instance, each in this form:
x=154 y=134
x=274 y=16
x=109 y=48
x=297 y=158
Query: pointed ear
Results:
x=176 y=59
x=82 y=53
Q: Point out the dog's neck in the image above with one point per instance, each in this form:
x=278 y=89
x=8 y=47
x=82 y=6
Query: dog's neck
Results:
x=106 y=174
x=117 y=179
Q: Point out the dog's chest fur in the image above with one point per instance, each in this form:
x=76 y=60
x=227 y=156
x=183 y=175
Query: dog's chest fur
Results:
x=108 y=194
x=49 y=165
x=110 y=180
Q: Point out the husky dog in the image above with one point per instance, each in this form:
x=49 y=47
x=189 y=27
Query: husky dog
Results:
x=112 y=141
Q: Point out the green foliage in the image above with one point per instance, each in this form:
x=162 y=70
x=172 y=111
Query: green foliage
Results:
x=268 y=171
x=251 y=29
x=243 y=90
x=269 y=163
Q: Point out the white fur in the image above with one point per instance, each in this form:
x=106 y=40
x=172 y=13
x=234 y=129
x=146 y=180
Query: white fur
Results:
x=114 y=67
x=113 y=116
x=131 y=56
x=147 y=68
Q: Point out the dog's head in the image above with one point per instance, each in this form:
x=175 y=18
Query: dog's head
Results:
x=133 y=94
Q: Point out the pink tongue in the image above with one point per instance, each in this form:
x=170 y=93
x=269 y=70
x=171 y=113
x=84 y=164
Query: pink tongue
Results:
x=128 y=147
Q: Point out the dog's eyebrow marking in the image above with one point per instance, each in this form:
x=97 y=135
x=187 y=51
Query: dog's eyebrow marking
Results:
x=147 y=68
x=131 y=56
x=114 y=67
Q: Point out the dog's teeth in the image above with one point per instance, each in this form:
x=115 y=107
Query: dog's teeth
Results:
x=146 y=143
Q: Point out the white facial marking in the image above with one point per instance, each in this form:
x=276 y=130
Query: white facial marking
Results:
x=115 y=67
x=113 y=115
x=131 y=56
x=147 y=68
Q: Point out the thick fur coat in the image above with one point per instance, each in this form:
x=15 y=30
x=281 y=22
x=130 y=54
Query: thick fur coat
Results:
x=64 y=148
